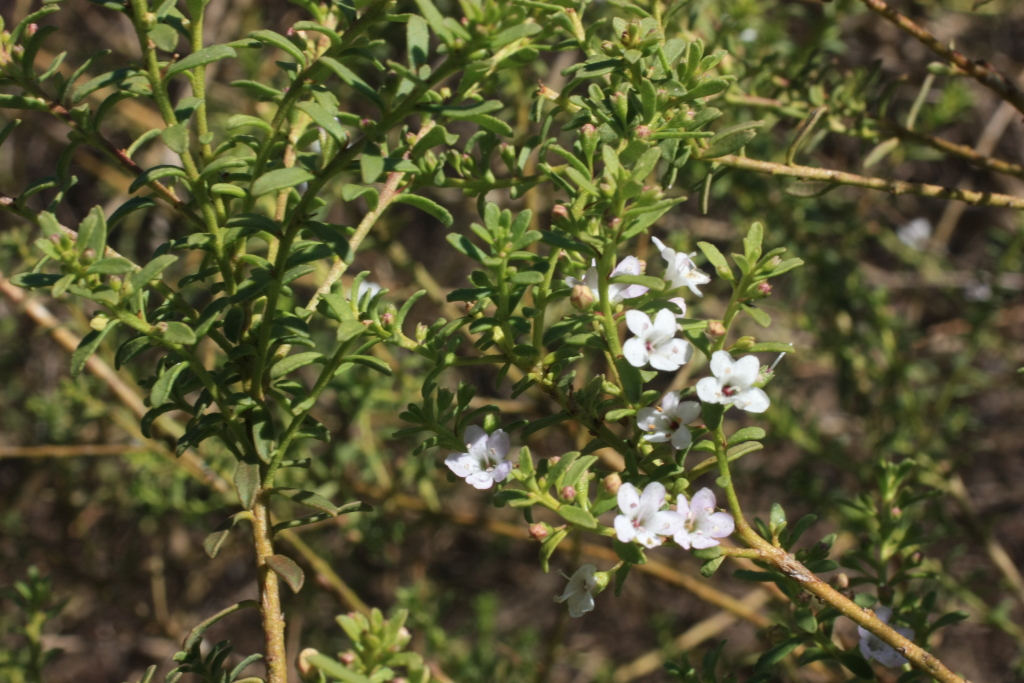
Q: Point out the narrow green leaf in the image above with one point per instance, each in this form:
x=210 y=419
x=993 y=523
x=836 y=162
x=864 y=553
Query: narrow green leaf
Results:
x=629 y=552
x=335 y=669
x=176 y=138
x=151 y=271
x=247 y=482
x=371 y=164
x=291 y=363
x=200 y=58
x=428 y=205
x=161 y=390
x=578 y=516
x=307 y=498
x=280 y=179
x=88 y=346
x=325 y=120
x=287 y=569
x=215 y=539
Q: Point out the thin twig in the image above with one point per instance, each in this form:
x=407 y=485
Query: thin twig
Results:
x=980 y=70
x=896 y=187
x=963 y=151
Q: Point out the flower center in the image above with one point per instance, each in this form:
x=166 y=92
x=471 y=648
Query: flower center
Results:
x=728 y=390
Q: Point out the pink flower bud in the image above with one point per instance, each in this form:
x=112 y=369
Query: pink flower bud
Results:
x=347 y=658
x=581 y=298
x=387 y=318
x=539 y=532
x=643 y=132
x=764 y=288
x=559 y=212
x=612 y=482
x=715 y=328
x=568 y=493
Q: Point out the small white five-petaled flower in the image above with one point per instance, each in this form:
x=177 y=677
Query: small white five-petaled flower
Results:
x=655 y=341
x=873 y=647
x=701 y=526
x=580 y=591
x=681 y=270
x=733 y=382
x=616 y=292
x=485 y=462
x=669 y=423
x=642 y=519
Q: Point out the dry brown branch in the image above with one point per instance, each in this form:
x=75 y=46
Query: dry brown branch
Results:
x=980 y=70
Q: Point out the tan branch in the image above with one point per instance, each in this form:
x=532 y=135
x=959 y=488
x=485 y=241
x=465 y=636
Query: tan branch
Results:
x=896 y=187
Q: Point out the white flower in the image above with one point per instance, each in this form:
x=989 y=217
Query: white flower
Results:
x=872 y=647
x=734 y=383
x=485 y=461
x=702 y=526
x=681 y=270
x=916 y=233
x=616 y=292
x=669 y=423
x=580 y=591
x=642 y=519
x=655 y=342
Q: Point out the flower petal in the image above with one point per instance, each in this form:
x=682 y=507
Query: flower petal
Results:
x=652 y=499
x=462 y=464
x=687 y=411
x=669 y=402
x=703 y=502
x=627 y=266
x=481 y=480
x=580 y=604
x=501 y=471
x=498 y=443
x=681 y=438
x=744 y=371
x=660 y=245
x=663 y=362
x=752 y=400
x=476 y=441
x=721 y=364
x=665 y=323
x=709 y=389
x=638 y=322
x=719 y=525
x=635 y=352
x=628 y=499
x=624 y=530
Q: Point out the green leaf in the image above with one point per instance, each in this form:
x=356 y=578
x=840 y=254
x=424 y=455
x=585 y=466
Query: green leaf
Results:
x=294 y=362
x=709 y=567
x=161 y=390
x=712 y=414
x=771 y=347
x=759 y=316
x=747 y=434
x=176 y=138
x=286 y=568
x=547 y=548
x=334 y=669
x=200 y=58
x=325 y=120
x=132 y=205
x=281 y=42
x=164 y=37
x=368 y=361
x=351 y=192
x=151 y=271
x=307 y=498
x=629 y=552
x=632 y=381
x=805 y=621
x=430 y=206
x=88 y=346
x=215 y=539
x=21 y=102
x=417 y=41
x=280 y=179
x=111 y=266
x=855 y=662
x=371 y=164
x=578 y=516
x=247 y=482
x=156 y=173
x=584 y=183
x=177 y=333
x=880 y=151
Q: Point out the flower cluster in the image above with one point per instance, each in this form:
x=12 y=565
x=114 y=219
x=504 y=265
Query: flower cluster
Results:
x=693 y=524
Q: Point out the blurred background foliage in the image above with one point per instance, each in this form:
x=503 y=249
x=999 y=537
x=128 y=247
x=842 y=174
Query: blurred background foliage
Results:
x=906 y=322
